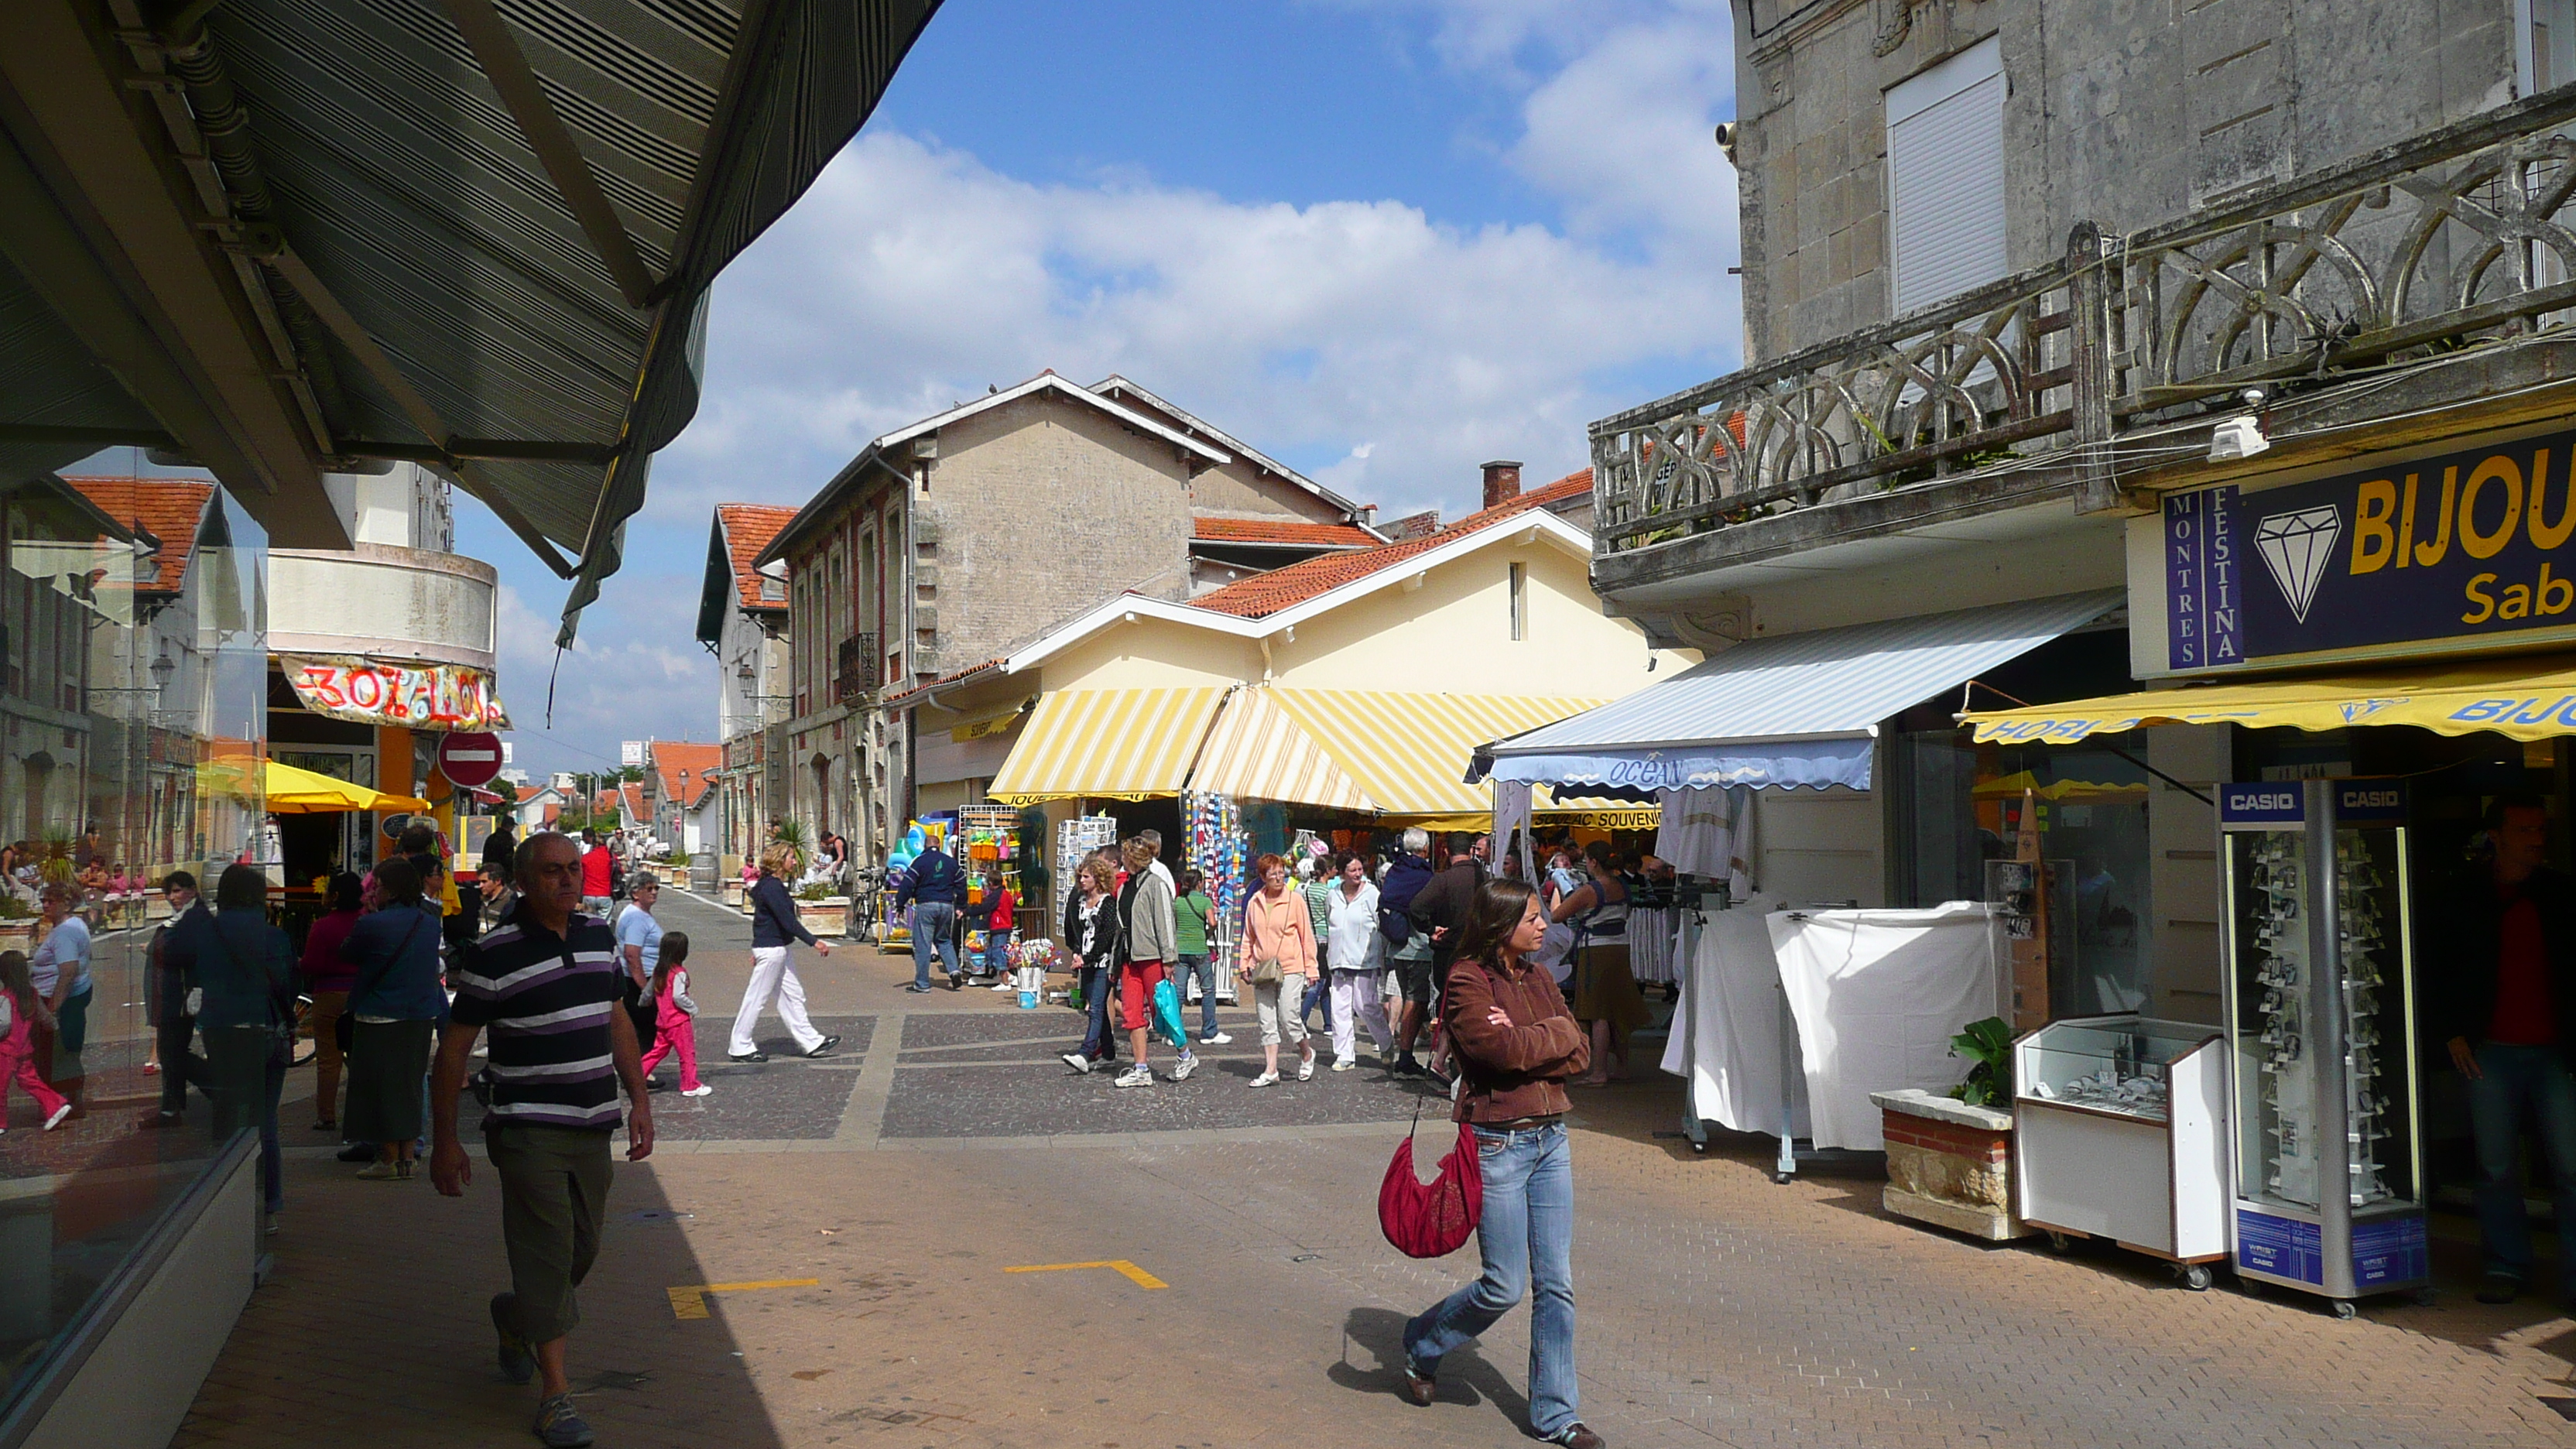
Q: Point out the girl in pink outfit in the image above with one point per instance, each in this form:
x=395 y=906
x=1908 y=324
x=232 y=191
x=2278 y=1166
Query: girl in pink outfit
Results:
x=678 y=1015
x=18 y=1008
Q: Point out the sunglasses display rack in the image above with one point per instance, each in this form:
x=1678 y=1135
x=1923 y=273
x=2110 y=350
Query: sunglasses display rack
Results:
x=2319 y=957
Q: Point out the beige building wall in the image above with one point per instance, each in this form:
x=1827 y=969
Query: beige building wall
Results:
x=1242 y=487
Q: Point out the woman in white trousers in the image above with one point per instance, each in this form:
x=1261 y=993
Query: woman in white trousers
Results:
x=1355 y=950
x=773 y=926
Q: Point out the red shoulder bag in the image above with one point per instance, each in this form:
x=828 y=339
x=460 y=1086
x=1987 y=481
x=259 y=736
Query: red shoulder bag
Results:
x=1431 y=1219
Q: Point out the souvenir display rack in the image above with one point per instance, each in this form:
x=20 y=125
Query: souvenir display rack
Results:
x=2320 y=961
x=988 y=853
x=1220 y=851
x=1075 y=838
x=2120 y=1132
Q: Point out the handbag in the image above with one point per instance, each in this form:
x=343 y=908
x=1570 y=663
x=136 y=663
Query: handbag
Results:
x=1431 y=1219
x=1167 y=1014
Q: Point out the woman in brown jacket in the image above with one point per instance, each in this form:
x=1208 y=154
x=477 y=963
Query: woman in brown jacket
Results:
x=1515 y=1045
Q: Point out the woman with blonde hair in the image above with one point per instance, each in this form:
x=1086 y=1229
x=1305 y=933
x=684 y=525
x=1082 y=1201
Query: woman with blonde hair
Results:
x=1278 y=950
x=773 y=926
x=1091 y=934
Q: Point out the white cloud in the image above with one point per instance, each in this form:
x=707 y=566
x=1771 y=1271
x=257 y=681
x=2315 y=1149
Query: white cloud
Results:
x=1358 y=331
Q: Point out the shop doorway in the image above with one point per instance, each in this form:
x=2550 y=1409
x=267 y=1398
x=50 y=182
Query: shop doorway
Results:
x=321 y=845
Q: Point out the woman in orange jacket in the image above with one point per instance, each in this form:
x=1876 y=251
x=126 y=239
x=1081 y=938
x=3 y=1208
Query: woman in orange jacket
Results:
x=1279 y=934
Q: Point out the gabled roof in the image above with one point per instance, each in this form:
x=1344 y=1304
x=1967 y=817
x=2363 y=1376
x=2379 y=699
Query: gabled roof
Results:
x=171 y=508
x=735 y=539
x=1117 y=386
x=1265 y=594
x=1282 y=533
x=827 y=502
x=1313 y=587
x=700 y=762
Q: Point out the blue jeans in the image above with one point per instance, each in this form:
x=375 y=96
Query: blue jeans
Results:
x=2518 y=1085
x=1527 y=1239
x=1204 y=968
x=1099 y=983
x=933 y=926
x=997 y=951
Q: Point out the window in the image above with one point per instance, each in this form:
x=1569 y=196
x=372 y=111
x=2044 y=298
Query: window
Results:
x=2545 y=59
x=1945 y=177
x=1520 y=601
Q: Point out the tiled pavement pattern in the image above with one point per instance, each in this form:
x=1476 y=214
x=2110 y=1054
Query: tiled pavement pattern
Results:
x=1716 y=1308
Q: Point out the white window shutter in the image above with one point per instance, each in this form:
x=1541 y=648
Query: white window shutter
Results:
x=1945 y=177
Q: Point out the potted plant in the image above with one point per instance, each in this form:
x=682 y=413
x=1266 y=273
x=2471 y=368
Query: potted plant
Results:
x=1949 y=1156
x=822 y=912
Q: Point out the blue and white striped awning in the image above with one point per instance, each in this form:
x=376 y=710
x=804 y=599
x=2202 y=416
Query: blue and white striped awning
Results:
x=1795 y=709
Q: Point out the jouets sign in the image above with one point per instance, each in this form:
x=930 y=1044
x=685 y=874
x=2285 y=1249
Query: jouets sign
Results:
x=414 y=696
x=2473 y=544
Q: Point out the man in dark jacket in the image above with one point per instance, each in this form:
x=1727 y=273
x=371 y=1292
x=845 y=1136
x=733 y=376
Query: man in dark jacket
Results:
x=1440 y=913
x=932 y=886
x=1408 y=950
x=2504 y=1005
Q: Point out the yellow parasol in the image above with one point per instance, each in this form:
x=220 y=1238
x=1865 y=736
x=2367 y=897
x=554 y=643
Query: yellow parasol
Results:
x=302 y=792
x=2065 y=792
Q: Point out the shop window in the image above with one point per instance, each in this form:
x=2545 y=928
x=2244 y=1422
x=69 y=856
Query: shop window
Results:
x=1520 y=601
x=133 y=717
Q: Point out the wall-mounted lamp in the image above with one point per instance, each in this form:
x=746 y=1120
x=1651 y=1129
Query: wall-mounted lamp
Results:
x=2240 y=436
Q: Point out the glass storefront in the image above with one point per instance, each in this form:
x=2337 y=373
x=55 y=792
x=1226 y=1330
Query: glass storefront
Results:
x=133 y=718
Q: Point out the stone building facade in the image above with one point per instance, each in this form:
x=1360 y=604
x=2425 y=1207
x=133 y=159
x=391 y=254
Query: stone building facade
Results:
x=2124 y=115
x=945 y=544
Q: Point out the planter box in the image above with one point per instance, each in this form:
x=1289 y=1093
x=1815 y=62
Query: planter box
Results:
x=733 y=894
x=825 y=917
x=1949 y=1164
x=18 y=936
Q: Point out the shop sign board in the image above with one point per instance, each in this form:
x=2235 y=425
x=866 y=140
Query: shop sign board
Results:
x=2477 y=544
x=411 y=696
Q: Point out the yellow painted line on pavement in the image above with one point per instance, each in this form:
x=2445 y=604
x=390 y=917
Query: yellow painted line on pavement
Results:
x=1134 y=1274
x=690 y=1300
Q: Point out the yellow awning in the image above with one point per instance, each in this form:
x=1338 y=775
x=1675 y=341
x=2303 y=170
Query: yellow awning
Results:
x=1106 y=744
x=2015 y=785
x=2528 y=698
x=1258 y=753
x=302 y=792
x=1408 y=753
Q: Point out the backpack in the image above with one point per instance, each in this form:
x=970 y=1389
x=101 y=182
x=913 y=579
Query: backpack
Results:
x=1395 y=895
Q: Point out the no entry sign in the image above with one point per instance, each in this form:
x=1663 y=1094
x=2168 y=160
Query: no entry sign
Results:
x=470 y=760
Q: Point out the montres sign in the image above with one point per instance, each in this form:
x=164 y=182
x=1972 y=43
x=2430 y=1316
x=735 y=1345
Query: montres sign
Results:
x=2472 y=545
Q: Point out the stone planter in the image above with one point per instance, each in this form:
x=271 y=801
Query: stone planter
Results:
x=733 y=894
x=18 y=936
x=827 y=917
x=1949 y=1164
x=156 y=907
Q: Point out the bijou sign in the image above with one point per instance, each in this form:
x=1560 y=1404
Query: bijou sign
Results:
x=2468 y=545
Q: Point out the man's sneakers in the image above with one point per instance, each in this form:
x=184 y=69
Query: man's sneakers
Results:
x=1138 y=1075
x=2499 y=1288
x=518 y=1361
x=918 y=988
x=824 y=1047
x=1187 y=1064
x=1575 y=1436
x=1081 y=1064
x=1346 y=1064
x=560 y=1425
x=749 y=1057
x=61 y=1115
x=1215 y=1038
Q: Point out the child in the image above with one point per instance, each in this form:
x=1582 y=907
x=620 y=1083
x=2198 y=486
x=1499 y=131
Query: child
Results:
x=18 y=1007
x=678 y=1015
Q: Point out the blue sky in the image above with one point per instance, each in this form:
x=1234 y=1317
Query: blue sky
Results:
x=1381 y=241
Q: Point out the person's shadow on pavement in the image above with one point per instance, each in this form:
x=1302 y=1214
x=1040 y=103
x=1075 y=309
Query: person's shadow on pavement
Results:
x=1465 y=1376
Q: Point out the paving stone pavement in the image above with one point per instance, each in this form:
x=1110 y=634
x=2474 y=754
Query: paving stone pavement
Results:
x=1714 y=1306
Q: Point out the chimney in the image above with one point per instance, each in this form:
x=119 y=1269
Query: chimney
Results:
x=1415 y=525
x=1502 y=482
x=1368 y=516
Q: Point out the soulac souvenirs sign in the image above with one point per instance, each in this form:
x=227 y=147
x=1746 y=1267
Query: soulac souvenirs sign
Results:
x=2477 y=544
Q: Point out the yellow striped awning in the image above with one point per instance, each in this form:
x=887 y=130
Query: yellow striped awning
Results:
x=1106 y=744
x=2526 y=698
x=1408 y=753
x=1258 y=753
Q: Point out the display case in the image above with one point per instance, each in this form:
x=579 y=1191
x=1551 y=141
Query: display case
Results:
x=2120 y=1132
x=2327 y=1156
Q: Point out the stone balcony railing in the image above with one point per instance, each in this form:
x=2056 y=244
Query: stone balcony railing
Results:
x=2455 y=239
x=382 y=601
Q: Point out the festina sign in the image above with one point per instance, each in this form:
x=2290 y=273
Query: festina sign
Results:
x=2478 y=544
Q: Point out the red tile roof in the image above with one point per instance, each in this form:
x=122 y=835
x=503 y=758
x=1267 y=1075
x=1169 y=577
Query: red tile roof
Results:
x=1284 y=530
x=748 y=529
x=1265 y=594
x=170 y=507
x=672 y=757
x=950 y=678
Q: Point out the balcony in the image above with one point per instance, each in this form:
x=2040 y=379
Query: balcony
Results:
x=375 y=599
x=2425 y=278
x=854 y=670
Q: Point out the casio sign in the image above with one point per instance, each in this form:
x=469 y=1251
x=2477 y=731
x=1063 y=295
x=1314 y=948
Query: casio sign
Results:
x=2371 y=799
x=2272 y=800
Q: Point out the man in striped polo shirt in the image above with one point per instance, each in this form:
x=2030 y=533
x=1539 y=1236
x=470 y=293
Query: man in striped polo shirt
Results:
x=546 y=983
